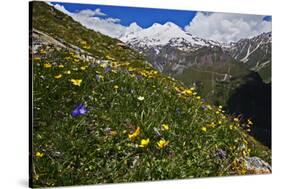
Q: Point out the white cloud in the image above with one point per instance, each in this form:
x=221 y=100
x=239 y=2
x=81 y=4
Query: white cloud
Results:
x=91 y=19
x=225 y=27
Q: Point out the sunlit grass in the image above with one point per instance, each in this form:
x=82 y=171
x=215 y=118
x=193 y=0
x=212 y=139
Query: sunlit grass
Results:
x=93 y=124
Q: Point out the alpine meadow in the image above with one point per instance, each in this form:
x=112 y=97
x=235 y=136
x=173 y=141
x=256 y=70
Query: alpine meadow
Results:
x=130 y=103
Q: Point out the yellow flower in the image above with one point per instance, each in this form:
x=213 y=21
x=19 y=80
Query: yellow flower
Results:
x=134 y=134
x=198 y=97
x=140 y=98
x=165 y=126
x=162 y=143
x=236 y=119
x=192 y=88
x=220 y=122
x=76 y=82
x=58 y=76
x=83 y=68
x=230 y=127
x=250 y=122
x=113 y=133
x=116 y=87
x=36 y=58
x=39 y=154
x=188 y=92
x=68 y=72
x=204 y=129
x=209 y=107
x=217 y=112
x=61 y=66
x=42 y=51
x=220 y=107
x=47 y=65
x=144 y=143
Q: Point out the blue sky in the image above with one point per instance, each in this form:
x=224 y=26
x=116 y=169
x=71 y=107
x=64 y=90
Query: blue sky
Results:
x=113 y=20
x=144 y=17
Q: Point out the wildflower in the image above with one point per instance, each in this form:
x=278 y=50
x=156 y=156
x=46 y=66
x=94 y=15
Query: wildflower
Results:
x=221 y=153
x=47 y=65
x=230 y=127
x=162 y=143
x=116 y=87
x=188 y=92
x=249 y=122
x=209 y=107
x=97 y=78
x=39 y=154
x=61 y=66
x=113 y=133
x=140 y=98
x=198 y=97
x=220 y=122
x=192 y=88
x=107 y=69
x=83 y=68
x=79 y=110
x=204 y=107
x=76 y=82
x=134 y=134
x=213 y=125
x=36 y=58
x=245 y=141
x=42 y=51
x=204 y=129
x=220 y=107
x=138 y=77
x=68 y=72
x=165 y=126
x=236 y=119
x=58 y=76
x=217 y=112
x=144 y=143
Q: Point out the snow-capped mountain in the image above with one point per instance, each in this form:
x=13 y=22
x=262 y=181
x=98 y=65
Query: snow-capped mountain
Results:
x=160 y=35
x=248 y=50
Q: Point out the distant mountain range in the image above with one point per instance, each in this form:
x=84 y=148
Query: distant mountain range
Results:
x=161 y=42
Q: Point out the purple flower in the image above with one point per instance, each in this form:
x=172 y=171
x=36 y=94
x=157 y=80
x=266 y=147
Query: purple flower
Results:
x=79 y=110
x=139 y=77
x=221 y=154
x=204 y=107
x=107 y=69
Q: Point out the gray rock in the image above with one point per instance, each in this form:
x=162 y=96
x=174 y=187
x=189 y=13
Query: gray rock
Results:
x=255 y=165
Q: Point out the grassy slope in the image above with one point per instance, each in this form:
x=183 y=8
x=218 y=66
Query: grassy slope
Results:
x=95 y=148
x=208 y=76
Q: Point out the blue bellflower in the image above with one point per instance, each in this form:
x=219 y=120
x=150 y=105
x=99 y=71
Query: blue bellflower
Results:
x=79 y=110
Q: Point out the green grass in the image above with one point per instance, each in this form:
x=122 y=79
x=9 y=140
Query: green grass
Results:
x=209 y=80
x=96 y=147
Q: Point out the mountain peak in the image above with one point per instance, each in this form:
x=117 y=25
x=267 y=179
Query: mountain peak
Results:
x=134 y=25
x=171 y=24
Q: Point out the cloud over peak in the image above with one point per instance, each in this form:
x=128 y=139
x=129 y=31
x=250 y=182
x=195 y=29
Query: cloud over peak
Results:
x=226 y=27
x=92 y=19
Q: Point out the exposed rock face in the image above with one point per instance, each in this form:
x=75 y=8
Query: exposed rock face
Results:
x=255 y=165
